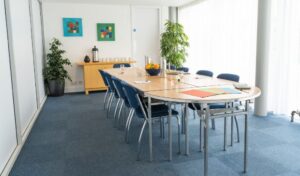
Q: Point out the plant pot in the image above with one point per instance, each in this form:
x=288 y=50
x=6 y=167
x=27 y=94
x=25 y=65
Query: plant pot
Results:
x=56 y=87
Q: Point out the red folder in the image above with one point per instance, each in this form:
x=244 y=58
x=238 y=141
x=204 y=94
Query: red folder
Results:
x=199 y=93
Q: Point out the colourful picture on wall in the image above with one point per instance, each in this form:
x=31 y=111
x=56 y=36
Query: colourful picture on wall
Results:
x=72 y=27
x=106 y=31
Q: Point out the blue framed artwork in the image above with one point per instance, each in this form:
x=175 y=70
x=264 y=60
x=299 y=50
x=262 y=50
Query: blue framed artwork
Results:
x=72 y=27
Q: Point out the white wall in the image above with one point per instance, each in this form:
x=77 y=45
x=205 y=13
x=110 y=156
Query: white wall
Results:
x=78 y=47
x=8 y=140
x=23 y=61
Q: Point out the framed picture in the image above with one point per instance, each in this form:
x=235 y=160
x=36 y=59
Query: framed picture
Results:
x=72 y=27
x=106 y=31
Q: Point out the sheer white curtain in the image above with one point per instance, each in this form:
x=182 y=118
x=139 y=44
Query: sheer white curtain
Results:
x=284 y=77
x=222 y=36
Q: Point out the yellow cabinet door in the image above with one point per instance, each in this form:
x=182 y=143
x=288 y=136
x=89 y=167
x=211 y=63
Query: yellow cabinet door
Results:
x=93 y=79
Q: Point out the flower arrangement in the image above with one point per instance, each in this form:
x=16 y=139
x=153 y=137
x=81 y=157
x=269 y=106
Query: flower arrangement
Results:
x=153 y=69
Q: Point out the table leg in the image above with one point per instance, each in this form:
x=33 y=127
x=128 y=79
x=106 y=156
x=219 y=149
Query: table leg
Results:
x=150 y=129
x=225 y=133
x=186 y=118
x=170 y=130
x=246 y=137
x=206 y=127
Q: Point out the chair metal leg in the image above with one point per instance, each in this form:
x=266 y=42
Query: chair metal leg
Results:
x=182 y=120
x=108 y=100
x=179 y=141
x=127 y=120
x=231 y=131
x=200 y=136
x=105 y=98
x=119 y=113
x=128 y=128
x=116 y=109
x=237 y=129
x=161 y=128
x=213 y=124
x=140 y=139
x=110 y=104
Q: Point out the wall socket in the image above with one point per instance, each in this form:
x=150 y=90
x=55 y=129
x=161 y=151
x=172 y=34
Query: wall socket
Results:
x=74 y=83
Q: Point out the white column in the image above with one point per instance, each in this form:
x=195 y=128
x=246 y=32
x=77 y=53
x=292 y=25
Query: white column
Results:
x=173 y=14
x=262 y=55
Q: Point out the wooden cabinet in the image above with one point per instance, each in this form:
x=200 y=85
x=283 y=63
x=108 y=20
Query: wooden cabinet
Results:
x=92 y=78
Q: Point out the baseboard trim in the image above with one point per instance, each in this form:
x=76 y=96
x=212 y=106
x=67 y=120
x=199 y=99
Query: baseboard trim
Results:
x=9 y=165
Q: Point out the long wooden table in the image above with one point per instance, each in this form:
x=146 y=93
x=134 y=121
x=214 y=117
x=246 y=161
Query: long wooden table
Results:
x=167 y=88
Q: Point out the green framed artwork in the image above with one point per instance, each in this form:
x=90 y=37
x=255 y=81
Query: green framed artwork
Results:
x=106 y=32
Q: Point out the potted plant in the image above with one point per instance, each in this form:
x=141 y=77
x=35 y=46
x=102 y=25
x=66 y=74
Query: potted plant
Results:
x=54 y=71
x=173 y=44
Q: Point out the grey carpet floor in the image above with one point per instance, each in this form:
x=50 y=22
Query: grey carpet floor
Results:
x=72 y=136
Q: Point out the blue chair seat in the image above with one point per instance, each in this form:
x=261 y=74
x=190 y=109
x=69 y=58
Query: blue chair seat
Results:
x=211 y=105
x=157 y=111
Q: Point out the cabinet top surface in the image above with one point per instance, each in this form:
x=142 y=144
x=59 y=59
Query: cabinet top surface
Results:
x=104 y=62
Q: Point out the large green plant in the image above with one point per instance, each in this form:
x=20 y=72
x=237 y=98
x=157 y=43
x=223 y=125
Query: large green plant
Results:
x=54 y=69
x=174 y=43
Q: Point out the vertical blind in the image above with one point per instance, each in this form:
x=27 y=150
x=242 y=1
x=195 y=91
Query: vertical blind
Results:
x=284 y=67
x=223 y=39
x=222 y=36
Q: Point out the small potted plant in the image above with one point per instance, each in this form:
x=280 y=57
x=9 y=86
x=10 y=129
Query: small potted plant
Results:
x=153 y=69
x=174 y=43
x=54 y=71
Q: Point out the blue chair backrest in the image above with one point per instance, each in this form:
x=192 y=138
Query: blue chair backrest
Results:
x=228 y=76
x=119 y=87
x=185 y=69
x=103 y=75
x=172 y=67
x=131 y=94
x=205 y=73
x=109 y=82
x=119 y=65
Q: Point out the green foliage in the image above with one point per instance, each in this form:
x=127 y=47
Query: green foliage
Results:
x=174 y=43
x=54 y=69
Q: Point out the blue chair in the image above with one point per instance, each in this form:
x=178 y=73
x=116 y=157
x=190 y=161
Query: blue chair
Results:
x=205 y=73
x=138 y=108
x=124 y=101
x=119 y=65
x=184 y=69
x=103 y=75
x=229 y=76
x=235 y=78
x=171 y=67
x=113 y=94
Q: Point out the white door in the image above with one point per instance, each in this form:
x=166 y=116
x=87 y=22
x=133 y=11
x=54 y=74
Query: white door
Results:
x=37 y=34
x=8 y=140
x=145 y=34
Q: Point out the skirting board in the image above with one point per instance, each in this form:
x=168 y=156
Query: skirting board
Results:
x=19 y=147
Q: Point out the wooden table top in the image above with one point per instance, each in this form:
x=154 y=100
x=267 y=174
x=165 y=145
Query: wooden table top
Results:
x=168 y=88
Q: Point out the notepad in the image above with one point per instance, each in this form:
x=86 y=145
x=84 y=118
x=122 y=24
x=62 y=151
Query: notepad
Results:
x=216 y=91
x=199 y=93
x=142 y=81
x=230 y=90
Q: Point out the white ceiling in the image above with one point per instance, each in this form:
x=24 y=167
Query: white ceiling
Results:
x=130 y=2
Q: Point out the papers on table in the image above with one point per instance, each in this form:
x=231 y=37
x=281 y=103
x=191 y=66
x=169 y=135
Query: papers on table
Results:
x=142 y=81
x=241 y=86
x=207 y=92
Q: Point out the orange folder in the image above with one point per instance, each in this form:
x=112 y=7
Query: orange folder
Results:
x=199 y=93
